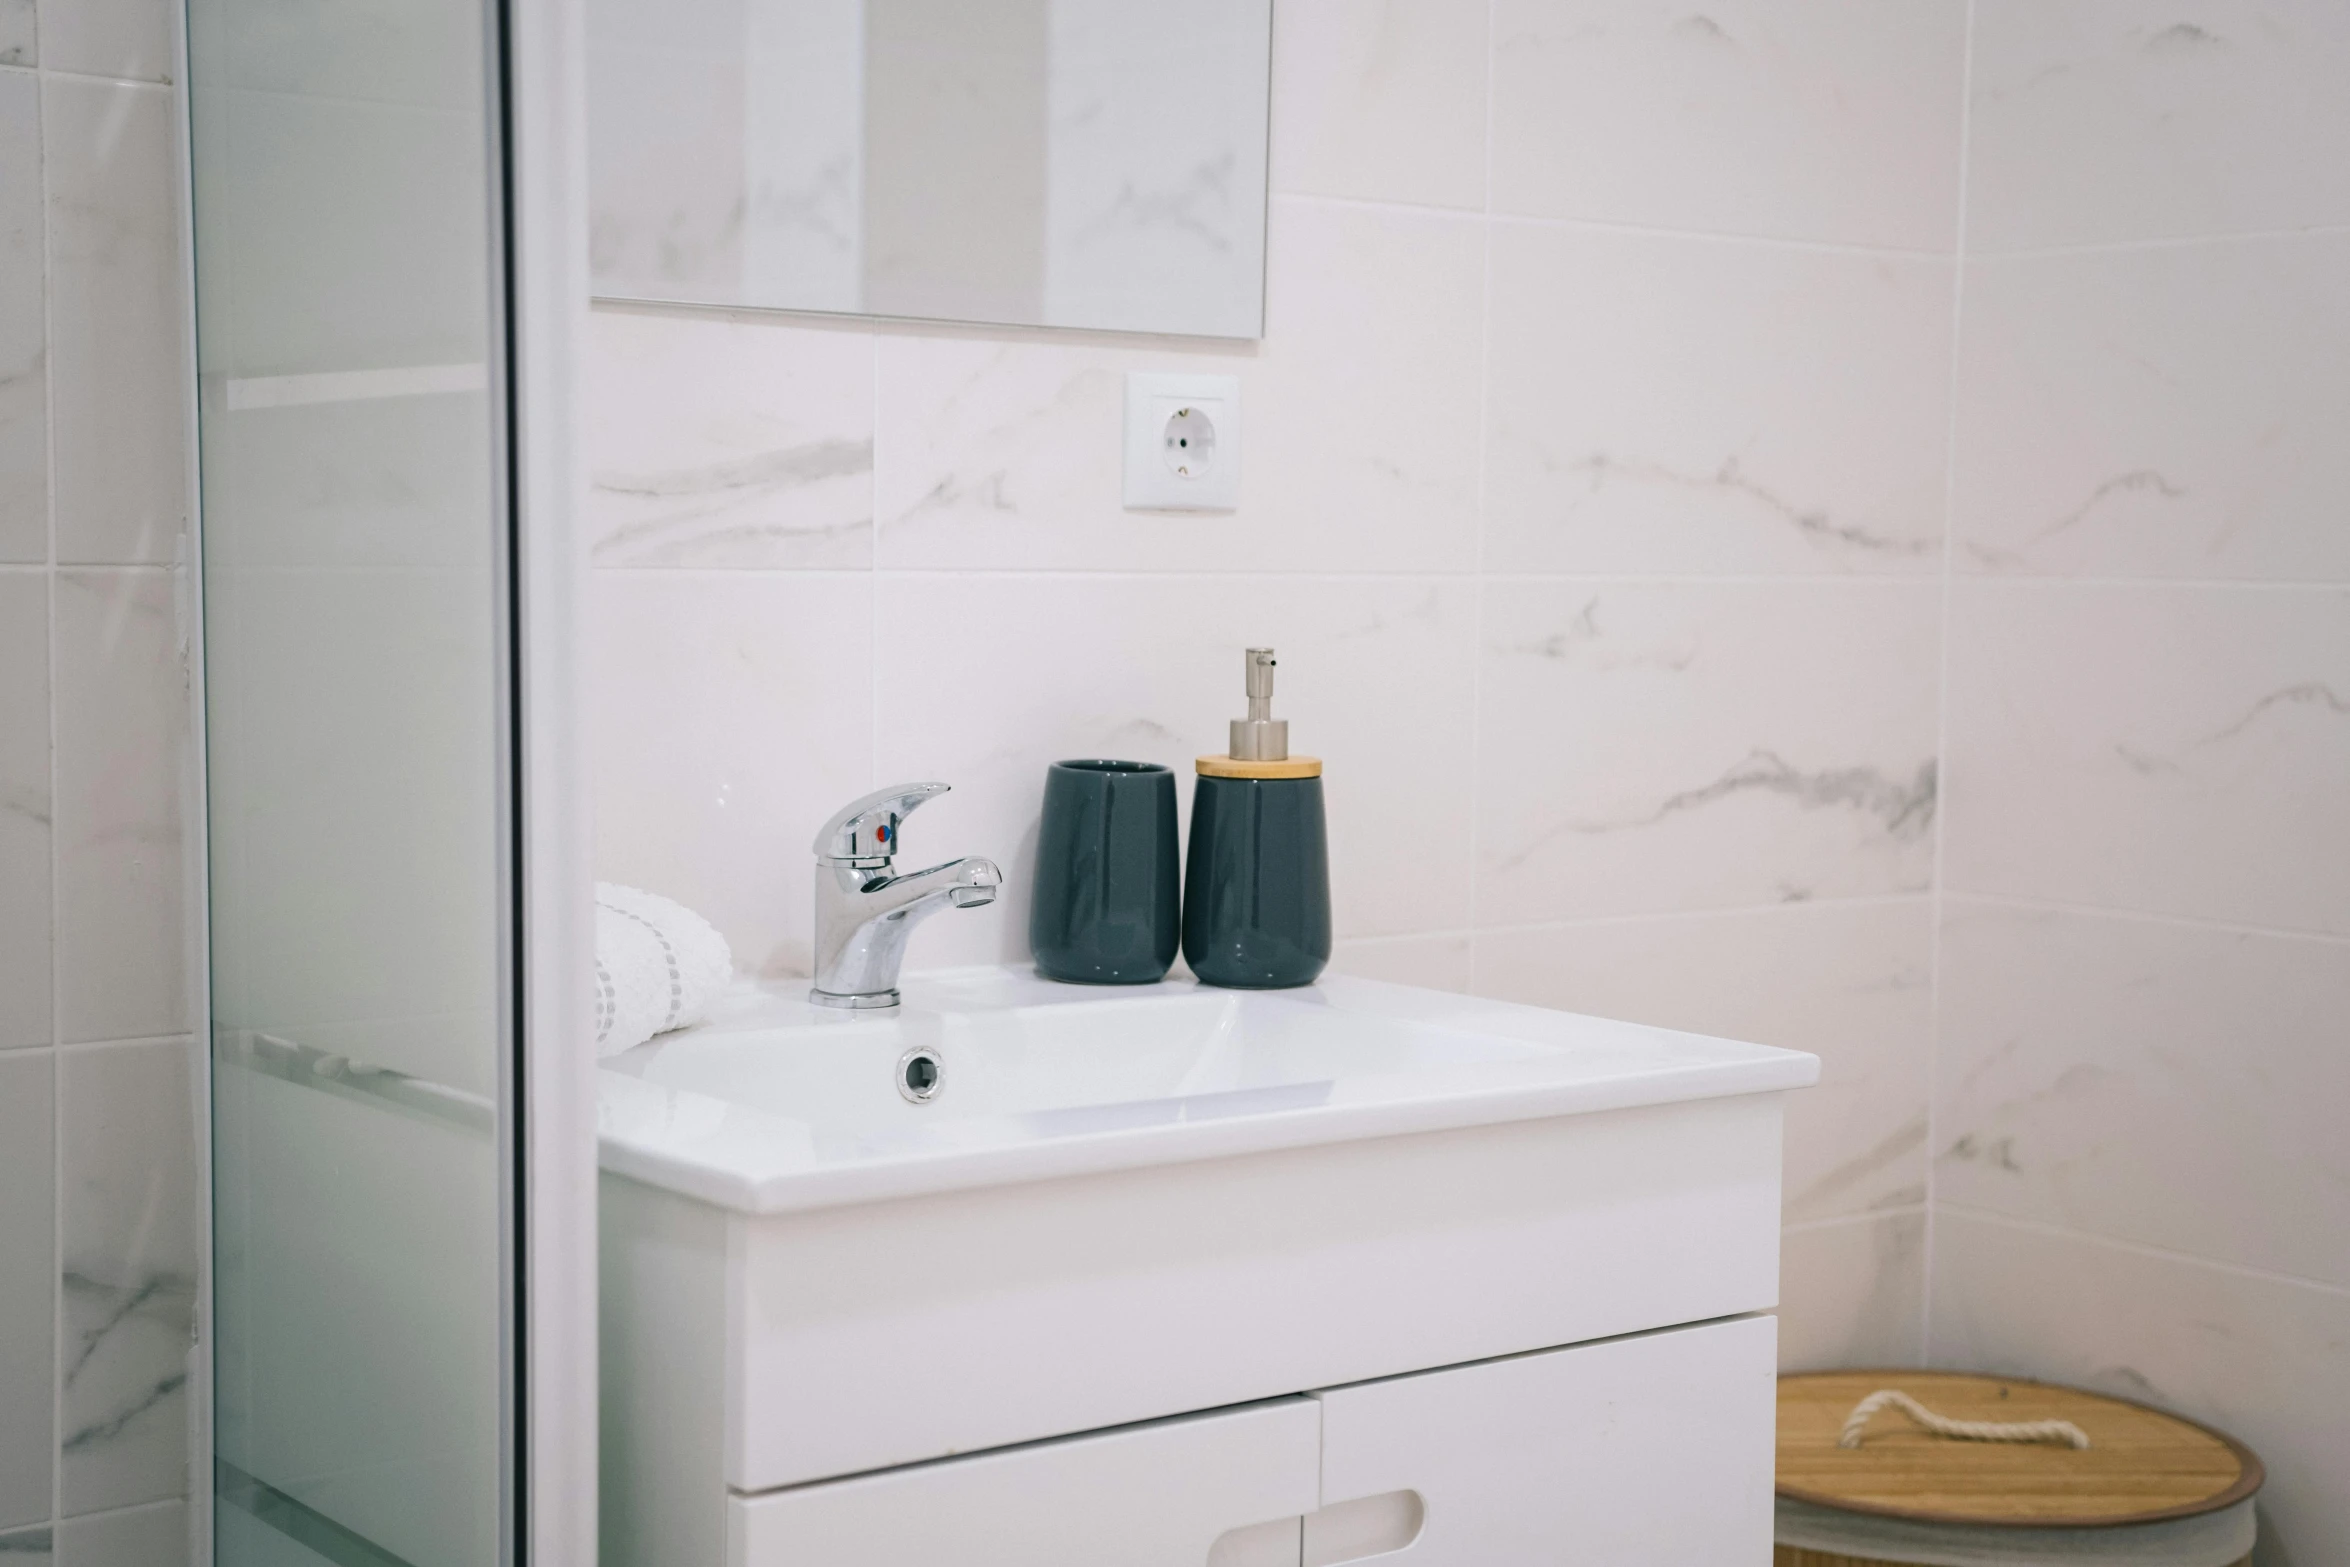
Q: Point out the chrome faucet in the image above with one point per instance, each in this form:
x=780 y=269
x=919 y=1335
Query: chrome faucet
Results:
x=864 y=913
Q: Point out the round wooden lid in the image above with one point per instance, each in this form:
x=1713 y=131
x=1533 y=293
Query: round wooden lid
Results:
x=2142 y=1466
x=1289 y=767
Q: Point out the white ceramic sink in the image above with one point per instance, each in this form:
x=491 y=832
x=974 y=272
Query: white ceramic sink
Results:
x=775 y=1105
x=1128 y=1205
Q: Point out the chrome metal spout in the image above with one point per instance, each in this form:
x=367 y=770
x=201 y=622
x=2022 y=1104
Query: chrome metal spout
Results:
x=864 y=913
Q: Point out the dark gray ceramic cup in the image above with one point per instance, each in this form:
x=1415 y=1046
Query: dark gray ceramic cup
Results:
x=1107 y=876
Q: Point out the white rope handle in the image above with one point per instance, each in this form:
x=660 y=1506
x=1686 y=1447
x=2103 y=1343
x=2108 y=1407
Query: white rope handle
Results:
x=1969 y=1430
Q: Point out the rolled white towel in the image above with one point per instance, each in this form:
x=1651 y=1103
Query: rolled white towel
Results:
x=658 y=964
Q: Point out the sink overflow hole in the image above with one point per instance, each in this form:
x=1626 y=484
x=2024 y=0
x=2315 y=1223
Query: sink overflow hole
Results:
x=919 y=1073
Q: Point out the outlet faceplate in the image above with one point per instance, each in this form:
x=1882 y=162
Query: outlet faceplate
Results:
x=1182 y=442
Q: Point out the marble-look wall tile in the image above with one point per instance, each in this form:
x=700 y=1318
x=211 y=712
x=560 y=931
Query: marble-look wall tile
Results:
x=1828 y=120
x=28 y=1205
x=668 y=147
x=1852 y=1293
x=342 y=697
x=1667 y=403
x=118 y=363
x=1651 y=748
x=734 y=714
x=2173 y=411
x=25 y=810
x=1367 y=313
x=996 y=453
x=2102 y=120
x=24 y=328
x=431 y=58
x=1181 y=250
x=130 y=39
x=2263 y=1359
x=956 y=165
x=303 y=278
x=728 y=441
x=131 y=1237
x=1380 y=102
x=2163 y=748
x=122 y=719
x=19 y=33
x=1149 y=668
x=1438 y=962
x=154 y=1536
x=367 y=483
x=1848 y=982
x=2179 y=1086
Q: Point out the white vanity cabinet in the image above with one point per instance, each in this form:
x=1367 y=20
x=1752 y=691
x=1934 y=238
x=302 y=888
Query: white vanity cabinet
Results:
x=1635 y=1452
x=1165 y=1494
x=1498 y=1300
x=1650 y=1451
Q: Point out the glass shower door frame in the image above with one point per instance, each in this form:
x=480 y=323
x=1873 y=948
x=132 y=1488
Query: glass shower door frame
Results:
x=544 y=1137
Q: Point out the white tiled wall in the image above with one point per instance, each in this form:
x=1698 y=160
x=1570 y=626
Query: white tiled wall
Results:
x=1597 y=455
x=1816 y=521
x=2144 y=990
x=1724 y=594
x=99 y=1233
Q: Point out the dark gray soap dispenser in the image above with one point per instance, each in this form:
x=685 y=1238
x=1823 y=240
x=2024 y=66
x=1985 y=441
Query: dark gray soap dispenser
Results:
x=1256 y=885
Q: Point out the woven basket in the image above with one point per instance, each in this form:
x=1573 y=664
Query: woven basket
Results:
x=2150 y=1490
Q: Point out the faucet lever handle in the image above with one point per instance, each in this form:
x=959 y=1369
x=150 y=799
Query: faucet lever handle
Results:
x=866 y=831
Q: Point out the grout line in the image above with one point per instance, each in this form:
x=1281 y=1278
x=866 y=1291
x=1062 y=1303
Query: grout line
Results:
x=56 y=1452
x=873 y=574
x=1484 y=468
x=1716 y=237
x=1911 y=579
x=1979 y=579
x=2172 y=242
x=131 y=1042
x=100 y=78
x=1376 y=204
x=2147 y=917
x=1845 y=1220
x=842 y=574
x=1958 y=268
x=2142 y=1249
x=1407 y=574
x=1599 y=921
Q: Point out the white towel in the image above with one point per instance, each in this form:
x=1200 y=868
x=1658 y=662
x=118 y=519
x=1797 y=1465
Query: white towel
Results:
x=658 y=964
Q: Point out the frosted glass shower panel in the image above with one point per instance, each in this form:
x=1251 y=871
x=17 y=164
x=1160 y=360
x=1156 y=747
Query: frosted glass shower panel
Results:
x=355 y=546
x=1081 y=163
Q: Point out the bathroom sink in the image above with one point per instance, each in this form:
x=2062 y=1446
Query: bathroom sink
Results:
x=775 y=1105
x=1012 y=1210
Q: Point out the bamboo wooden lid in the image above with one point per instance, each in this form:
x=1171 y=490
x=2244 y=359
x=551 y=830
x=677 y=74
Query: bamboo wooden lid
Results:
x=1287 y=767
x=2142 y=1466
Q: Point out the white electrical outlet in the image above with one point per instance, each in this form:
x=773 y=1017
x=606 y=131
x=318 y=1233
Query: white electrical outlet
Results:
x=1182 y=442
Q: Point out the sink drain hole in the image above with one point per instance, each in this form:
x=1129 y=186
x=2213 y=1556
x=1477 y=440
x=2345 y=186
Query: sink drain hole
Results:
x=919 y=1074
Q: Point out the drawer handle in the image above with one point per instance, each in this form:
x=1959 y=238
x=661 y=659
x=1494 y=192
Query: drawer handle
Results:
x=1366 y=1527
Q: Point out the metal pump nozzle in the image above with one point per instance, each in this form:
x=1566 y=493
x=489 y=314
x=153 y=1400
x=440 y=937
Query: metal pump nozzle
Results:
x=1260 y=737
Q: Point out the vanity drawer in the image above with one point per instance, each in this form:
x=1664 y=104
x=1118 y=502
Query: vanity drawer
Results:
x=1158 y=1495
x=1654 y=1451
x=888 y=1333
